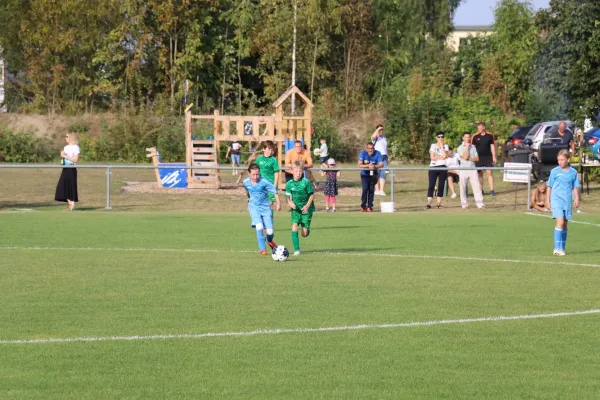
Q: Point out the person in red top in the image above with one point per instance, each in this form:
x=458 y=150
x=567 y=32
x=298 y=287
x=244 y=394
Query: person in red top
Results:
x=486 y=148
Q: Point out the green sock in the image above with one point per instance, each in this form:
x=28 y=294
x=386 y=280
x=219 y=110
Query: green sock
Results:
x=295 y=241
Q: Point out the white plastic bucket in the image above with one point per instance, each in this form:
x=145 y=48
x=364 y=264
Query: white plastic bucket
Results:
x=387 y=206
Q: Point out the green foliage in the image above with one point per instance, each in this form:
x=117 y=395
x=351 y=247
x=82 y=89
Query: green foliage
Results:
x=25 y=148
x=464 y=113
x=127 y=140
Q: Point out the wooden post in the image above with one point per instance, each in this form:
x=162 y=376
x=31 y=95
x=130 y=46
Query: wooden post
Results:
x=152 y=153
x=188 y=143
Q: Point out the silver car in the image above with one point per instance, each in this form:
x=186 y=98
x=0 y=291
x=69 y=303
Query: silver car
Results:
x=537 y=134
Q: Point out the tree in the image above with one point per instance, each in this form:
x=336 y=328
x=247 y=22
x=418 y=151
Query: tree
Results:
x=569 y=60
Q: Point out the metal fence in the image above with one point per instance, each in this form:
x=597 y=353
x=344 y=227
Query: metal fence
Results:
x=392 y=171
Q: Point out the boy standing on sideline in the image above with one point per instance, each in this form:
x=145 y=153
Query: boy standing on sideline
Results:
x=468 y=157
x=369 y=161
x=562 y=191
x=269 y=167
x=323 y=153
x=235 y=148
x=259 y=206
x=486 y=149
x=380 y=142
x=300 y=197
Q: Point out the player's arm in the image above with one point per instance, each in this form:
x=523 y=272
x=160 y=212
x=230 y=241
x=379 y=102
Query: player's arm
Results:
x=576 y=186
x=548 y=191
x=277 y=202
x=493 y=150
x=290 y=203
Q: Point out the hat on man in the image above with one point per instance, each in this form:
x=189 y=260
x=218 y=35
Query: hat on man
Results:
x=331 y=161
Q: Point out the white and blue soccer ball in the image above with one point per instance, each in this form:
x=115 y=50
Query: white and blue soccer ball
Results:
x=280 y=253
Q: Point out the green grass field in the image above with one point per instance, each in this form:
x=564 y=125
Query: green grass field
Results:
x=112 y=276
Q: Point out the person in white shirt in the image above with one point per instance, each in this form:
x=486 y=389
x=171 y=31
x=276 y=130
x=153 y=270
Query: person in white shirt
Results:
x=468 y=157
x=438 y=153
x=322 y=152
x=380 y=142
x=452 y=162
x=66 y=189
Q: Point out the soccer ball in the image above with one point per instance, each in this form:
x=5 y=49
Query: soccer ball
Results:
x=280 y=253
x=316 y=151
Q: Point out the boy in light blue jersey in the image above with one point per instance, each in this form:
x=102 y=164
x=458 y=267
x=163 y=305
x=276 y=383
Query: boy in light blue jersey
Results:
x=259 y=206
x=562 y=192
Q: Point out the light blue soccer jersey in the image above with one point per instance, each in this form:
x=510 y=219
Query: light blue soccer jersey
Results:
x=562 y=184
x=259 y=195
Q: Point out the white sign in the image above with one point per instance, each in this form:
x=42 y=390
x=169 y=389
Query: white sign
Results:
x=512 y=174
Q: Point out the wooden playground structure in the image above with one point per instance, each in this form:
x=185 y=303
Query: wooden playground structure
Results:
x=227 y=128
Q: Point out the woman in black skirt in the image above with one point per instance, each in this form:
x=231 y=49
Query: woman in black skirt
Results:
x=66 y=190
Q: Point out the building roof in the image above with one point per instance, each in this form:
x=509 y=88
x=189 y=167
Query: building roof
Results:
x=471 y=28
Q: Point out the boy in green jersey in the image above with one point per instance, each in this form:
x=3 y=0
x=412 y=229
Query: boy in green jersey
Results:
x=300 y=195
x=269 y=166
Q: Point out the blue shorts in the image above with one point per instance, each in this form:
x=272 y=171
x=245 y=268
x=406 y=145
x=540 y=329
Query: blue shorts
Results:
x=383 y=171
x=262 y=217
x=235 y=159
x=562 y=213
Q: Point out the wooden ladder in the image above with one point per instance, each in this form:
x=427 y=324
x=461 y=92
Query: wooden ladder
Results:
x=204 y=154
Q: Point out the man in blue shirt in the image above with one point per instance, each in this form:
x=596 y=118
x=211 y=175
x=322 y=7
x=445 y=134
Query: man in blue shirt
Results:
x=562 y=191
x=369 y=161
x=259 y=206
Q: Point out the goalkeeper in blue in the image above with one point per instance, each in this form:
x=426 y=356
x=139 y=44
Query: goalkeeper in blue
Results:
x=259 y=206
x=562 y=192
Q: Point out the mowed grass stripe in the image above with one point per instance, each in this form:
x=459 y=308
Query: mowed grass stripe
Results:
x=302 y=330
x=317 y=252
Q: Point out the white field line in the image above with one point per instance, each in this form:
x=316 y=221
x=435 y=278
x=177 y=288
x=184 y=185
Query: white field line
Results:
x=570 y=222
x=300 y=330
x=338 y=253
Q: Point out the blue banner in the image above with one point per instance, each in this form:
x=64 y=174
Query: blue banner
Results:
x=173 y=178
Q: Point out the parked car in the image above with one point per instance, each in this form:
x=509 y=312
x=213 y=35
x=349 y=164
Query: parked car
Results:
x=592 y=140
x=515 y=140
x=591 y=137
x=539 y=132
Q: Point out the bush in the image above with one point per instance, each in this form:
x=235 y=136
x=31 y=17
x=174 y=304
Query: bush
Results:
x=25 y=148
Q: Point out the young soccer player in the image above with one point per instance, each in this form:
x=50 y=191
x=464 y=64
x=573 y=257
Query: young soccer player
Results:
x=258 y=189
x=561 y=192
x=269 y=167
x=300 y=197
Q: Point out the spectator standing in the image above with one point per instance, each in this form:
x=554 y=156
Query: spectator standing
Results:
x=331 y=187
x=369 y=161
x=235 y=149
x=468 y=157
x=380 y=141
x=298 y=153
x=438 y=153
x=565 y=136
x=486 y=150
x=66 y=189
x=323 y=152
x=452 y=162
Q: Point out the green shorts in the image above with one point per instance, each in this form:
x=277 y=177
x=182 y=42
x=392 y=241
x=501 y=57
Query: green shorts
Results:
x=301 y=219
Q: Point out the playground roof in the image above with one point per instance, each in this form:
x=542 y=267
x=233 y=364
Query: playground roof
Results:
x=288 y=93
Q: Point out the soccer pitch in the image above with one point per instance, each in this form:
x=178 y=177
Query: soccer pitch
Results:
x=440 y=305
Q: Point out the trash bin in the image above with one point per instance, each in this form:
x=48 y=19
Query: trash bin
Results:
x=519 y=156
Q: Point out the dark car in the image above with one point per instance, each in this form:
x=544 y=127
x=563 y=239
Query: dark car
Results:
x=515 y=139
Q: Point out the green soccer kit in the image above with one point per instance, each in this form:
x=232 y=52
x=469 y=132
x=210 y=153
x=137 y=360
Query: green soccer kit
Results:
x=268 y=167
x=299 y=192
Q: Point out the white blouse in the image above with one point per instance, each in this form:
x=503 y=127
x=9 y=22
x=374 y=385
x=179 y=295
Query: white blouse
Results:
x=438 y=152
x=71 y=151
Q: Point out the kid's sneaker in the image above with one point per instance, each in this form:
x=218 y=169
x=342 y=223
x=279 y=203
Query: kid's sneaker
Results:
x=297 y=253
x=263 y=253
